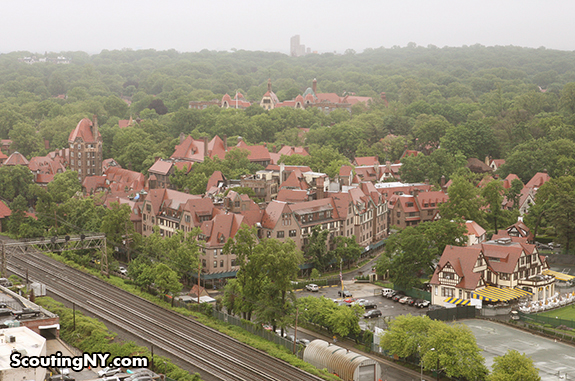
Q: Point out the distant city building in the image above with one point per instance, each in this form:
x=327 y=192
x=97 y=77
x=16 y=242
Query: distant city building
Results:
x=297 y=49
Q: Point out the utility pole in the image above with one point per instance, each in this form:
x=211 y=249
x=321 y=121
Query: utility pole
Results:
x=295 y=330
x=4 y=260
x=199 y=272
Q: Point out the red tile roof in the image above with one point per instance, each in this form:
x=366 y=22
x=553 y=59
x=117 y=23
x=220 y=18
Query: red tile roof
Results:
x=539 y=179
x=84 y=131
x=161 y=167
x=366 y=160
x=16 y=159
x=4 y=210
x=473 y=228
x=292 y=195
x=273 y=212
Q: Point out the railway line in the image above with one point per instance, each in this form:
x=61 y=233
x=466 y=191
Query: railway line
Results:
x=217 y=356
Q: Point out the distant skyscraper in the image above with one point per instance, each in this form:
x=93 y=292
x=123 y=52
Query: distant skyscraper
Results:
x=296 y=49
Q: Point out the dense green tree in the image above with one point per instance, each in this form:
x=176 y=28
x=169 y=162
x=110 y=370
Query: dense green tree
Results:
x=16 y=180
x=166 y=280
x=464 y=201
x=492 y=194
x=18 y=209
x=431 y=167
x=452 y=347
x=514 y=366
x=25 y=139
x=64 y=186
x=412 y=252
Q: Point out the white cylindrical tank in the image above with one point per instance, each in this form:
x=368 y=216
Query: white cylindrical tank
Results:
x=349 y=366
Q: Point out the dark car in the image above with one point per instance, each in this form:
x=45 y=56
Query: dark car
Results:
x=372 y=313
x=412 y=301
x=344 y=294
x=391 y=294
x=368 y=305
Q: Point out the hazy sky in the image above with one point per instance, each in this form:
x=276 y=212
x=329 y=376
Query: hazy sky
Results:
x=324 y=26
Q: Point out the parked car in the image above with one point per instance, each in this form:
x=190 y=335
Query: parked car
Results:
x=411 y=302
x=386 y=291
x=398 y=296
x=122 y=270
x=303 y=342
x=391 y=294
x=312 y=287
x=344 y=294
x=404 y=299
x=107 y=371
x=421 y=303
x=372 y=313
x=368 y=305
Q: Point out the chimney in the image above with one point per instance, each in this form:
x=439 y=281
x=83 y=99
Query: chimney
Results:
x=226 y=143
x=269 y=85
x=487 y=161
x=282 y=169
x=156 y=158
x=314 y=85
x=95 y=128
x=319 y=190
x=182 y=137
x=442 y=182
x=376 y=169
x=206 y=152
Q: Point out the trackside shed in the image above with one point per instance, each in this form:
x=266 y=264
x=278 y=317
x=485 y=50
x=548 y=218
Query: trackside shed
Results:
x=349 y=366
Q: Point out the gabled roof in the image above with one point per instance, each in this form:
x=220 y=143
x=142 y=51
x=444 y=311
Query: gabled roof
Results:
x=93 y=183
x=506 y=255
x=273 y=213
x=257 y=153
x=509 y=179
x=84 y=131
x=120 y=178
x=45 y=165
x=16 y=159
x=428 y=198
x=345 y=170
x=463 y=260
x=366 y=160
x=292 y=195
x=198 y=207
x=221 y=228
x=291 y=150
x=537 y=180
x=473 y=228
x=217 y=178
x=161 y=167
x=167 y=198
x=341 y=200
x=4 y=210
x=294 y=181
x=315 y=206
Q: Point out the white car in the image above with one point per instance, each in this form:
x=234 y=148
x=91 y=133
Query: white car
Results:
x=122 y=270
x=312 y=287
x=107 y=372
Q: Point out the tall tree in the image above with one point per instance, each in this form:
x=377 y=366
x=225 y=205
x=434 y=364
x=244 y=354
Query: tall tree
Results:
x=492 y=194
x=464 y=201
x=514 y=366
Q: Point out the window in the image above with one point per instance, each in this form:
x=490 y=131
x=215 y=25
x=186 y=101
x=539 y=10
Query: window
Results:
x=448 y=276
x=215 y=264
x=447 y=292
x=280 y=234
x=293 y=233
x=215 y=252
x=268 y=234
x=233 y=262
x=203 y=263
x=222 y=263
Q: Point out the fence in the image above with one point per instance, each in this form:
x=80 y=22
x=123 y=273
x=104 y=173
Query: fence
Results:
x=554 y=322
x=449 y=314
x=258 y=330
x=415 y=293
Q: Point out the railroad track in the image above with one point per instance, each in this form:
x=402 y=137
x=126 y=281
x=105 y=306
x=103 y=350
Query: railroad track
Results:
x=217 y=355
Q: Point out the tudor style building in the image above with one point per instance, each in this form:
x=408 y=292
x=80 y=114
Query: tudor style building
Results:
x=85 y=154
x=505 y=268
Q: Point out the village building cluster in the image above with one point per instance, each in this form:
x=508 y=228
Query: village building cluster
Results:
x=364 y=200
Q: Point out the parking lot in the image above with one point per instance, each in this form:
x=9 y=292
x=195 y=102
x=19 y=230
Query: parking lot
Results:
x=369 y=292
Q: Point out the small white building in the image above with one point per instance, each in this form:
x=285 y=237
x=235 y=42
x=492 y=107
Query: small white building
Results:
x=28 y=343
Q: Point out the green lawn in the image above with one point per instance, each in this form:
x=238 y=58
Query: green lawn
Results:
x=567 y=312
